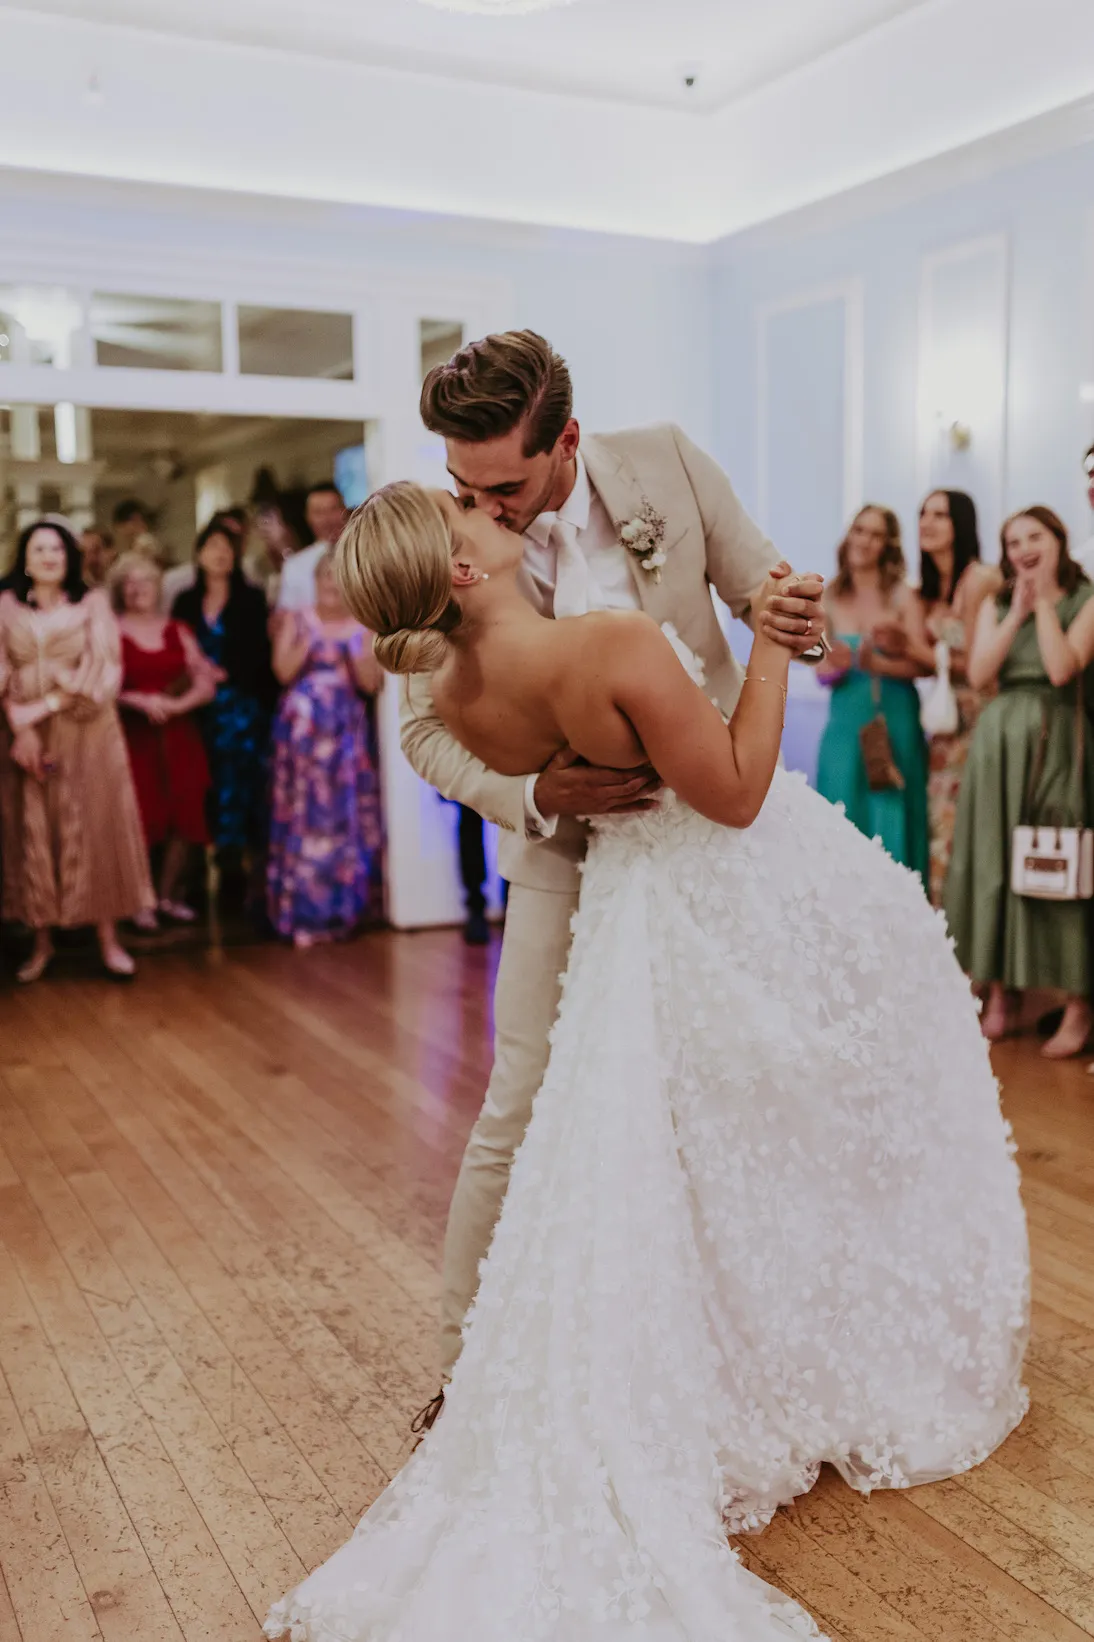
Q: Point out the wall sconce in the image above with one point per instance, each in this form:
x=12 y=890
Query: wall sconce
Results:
x=956 y=432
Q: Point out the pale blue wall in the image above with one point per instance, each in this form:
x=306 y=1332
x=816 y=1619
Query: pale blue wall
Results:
x=1042 y=210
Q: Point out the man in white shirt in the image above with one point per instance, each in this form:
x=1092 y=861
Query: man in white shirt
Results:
x=326 y=514
x=1085 y=555
x=504 y=407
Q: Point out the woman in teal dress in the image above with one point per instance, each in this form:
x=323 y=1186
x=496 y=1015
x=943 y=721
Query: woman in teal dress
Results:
x=870 y=672
x=1037 y=640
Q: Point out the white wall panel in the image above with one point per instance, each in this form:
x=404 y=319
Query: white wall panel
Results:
x=963 y=360
x=809 y=420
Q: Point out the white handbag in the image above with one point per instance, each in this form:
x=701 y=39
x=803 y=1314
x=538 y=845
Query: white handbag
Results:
x=1054 y=863
x=939 y=713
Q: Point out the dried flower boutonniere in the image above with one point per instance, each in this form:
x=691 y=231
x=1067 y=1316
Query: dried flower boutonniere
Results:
x=643 y=536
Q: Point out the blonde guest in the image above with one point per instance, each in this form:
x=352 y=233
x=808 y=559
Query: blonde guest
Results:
x=72 y=842
x=165 y=679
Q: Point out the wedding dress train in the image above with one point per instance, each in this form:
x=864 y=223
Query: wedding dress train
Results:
x=766 y=1215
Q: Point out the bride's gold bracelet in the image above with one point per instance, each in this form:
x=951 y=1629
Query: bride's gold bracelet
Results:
x=758 y=678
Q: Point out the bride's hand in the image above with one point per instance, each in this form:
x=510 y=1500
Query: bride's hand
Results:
x=787 y=609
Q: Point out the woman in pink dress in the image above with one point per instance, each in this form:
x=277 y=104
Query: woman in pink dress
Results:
x=73 y=844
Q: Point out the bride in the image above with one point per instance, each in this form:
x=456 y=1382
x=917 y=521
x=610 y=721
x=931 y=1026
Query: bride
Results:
x=766 y=1213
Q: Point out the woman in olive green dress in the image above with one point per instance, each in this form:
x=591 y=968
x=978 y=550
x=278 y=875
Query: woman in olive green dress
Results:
x=870 y=672
x=1036 y=640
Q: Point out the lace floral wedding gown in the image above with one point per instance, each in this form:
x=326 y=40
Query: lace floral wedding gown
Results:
x=766 y=1215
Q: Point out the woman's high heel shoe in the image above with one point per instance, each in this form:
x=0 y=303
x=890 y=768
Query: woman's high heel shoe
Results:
x=119 y=966
x=34 y=968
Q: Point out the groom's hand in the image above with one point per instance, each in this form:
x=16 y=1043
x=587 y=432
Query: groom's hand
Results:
x=569 y=786
x=793 y=618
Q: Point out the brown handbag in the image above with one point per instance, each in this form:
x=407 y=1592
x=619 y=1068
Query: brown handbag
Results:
x=882 y=774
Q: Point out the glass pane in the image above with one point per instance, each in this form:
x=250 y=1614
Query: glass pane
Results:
x=295 y=342
x=38 y=325
x=156 y=333
x=439 y=339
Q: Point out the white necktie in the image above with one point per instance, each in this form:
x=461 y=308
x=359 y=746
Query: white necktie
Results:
x=575 y=591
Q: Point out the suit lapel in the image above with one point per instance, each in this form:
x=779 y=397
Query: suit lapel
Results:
x=619 y=488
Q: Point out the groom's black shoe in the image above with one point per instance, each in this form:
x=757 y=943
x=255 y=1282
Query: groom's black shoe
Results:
x=427 y=1418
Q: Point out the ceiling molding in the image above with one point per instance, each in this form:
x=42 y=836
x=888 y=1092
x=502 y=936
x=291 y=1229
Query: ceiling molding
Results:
x=696 y=56
x=1052 y=133
x=108 y=101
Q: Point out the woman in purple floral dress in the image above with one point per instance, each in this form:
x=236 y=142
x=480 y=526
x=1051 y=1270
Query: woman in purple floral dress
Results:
x=323 y=874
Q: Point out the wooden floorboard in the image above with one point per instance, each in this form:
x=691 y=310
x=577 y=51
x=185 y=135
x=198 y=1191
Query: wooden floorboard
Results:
x=222 y=1196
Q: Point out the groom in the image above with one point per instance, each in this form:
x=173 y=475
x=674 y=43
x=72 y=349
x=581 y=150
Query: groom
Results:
x=504 y=408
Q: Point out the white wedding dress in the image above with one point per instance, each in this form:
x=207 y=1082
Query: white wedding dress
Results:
x=766 y=1215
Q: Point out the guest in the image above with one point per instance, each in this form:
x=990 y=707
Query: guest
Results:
x=165 y=678
x=326 y=514
x=953 y=586
x=279 y=544
x=868 y=608
x=229 y=619
x=72 y=843
x=476 y=930
x=98 y=553
x=1035 y=639
x=179 y=577
x=1084 y=556
x=132 y=520
x=323 y=874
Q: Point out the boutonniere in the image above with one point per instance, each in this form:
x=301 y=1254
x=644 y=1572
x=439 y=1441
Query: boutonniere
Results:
x=643 y=536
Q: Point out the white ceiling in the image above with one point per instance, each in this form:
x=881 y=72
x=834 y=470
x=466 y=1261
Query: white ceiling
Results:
x=635 y=51
x=573 y=118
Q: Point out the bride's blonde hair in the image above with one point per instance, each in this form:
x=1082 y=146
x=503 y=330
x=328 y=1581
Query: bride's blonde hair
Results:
x=393 y=562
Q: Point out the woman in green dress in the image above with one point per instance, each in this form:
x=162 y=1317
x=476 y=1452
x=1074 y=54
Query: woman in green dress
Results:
x=870 y=672
x=1036 y=640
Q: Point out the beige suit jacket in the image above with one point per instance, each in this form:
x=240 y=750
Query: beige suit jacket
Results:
x=710 y=542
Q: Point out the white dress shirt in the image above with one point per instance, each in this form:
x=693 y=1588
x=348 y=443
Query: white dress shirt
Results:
x=175 y=581
x=610 y=584
x=607 y=584
x=297 y=590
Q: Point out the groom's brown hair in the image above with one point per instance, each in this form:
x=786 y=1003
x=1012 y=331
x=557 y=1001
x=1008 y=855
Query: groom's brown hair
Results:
x=514 y=379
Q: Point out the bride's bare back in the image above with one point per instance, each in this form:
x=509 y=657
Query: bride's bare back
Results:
x=611 y=688
x=522 y=693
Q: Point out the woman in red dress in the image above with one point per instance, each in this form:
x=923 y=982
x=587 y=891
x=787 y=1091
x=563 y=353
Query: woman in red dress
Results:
x=164 y=678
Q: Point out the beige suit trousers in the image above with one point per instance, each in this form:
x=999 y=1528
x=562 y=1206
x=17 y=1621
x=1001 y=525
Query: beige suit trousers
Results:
x=534 y=956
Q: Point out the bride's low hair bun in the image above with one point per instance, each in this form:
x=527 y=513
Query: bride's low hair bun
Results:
x=394 y=566
x=411 y=650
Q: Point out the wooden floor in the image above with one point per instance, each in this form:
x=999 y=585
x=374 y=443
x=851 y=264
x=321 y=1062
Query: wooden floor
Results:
x=222 y=1193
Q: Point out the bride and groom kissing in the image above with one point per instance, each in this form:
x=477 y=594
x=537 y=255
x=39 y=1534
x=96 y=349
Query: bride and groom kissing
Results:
x=763 y=1212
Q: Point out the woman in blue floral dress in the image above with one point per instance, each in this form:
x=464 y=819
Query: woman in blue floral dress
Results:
x=323 y=869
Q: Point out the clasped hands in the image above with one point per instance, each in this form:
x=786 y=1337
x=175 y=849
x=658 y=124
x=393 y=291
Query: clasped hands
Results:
x=786 y=610
x=1031 y=587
